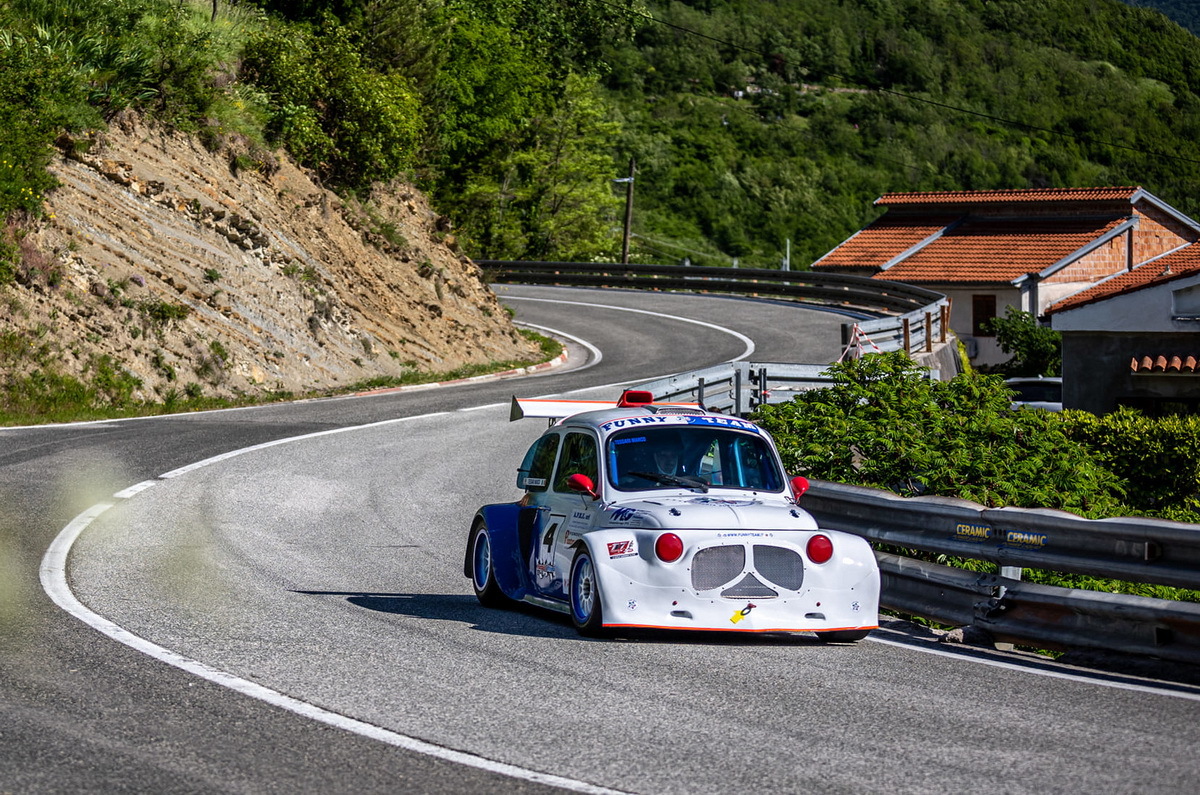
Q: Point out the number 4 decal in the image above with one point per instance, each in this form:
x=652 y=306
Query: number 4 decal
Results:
x=548 y=538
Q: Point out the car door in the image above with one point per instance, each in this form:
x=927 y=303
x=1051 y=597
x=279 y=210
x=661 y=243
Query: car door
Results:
x=571 y=514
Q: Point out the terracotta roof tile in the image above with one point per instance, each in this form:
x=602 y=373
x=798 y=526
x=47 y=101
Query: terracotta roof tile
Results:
x=1163 y=364
x=983 y=250
x=884 y=239
x=966 y=197
x=1184 y=262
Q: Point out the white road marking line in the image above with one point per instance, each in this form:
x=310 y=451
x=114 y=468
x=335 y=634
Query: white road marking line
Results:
x=53 y=575
x=749 y=343
x=54 y=582
x=1091 y=680
x=596 y=354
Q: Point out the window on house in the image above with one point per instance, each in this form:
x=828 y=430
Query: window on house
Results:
x=1185 y=303
x=983 y=309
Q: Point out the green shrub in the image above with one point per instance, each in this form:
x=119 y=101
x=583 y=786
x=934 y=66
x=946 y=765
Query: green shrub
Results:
x=162 y=312
x=331 y=111
x=1159 y=458
x=885 y=424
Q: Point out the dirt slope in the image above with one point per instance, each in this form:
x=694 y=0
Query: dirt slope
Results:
x=193 y=274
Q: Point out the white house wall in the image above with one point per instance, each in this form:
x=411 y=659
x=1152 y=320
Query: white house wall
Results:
x=1147 y=309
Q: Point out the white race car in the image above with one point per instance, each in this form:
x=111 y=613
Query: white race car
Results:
x=643 y=515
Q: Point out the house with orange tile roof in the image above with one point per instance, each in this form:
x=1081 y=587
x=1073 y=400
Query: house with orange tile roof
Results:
x=1133 y=339
x=1029 y=249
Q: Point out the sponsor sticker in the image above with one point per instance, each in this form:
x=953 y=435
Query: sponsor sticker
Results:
x=622 y=549
x=1016 y=538
x=580 y=520
x=620 y=515
x=535 y=482
x=545 y=569
x=972 y=532
x=682 y=419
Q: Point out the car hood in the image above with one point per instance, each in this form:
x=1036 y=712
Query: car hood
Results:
x=707 y=511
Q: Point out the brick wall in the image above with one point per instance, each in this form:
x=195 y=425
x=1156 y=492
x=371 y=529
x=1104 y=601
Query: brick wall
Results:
x=1112 y=257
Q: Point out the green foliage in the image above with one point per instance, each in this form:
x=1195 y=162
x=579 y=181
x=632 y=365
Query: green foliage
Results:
x=885 y=424
x=38 y=77
x=813 y=109
x=1035 y=349
x=1159 y=458
x=550 y=197
x=160 y=312
x=331 y=111
x=1184 y=12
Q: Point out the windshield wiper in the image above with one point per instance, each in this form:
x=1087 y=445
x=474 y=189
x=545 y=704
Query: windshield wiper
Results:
x=686 y=481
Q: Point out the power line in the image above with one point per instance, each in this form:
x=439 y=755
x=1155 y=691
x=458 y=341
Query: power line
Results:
x=901 y=94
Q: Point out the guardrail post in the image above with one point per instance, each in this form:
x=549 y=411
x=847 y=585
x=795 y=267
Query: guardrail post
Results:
x=928 y=332
x=737 y=391
x=700 y=392
x=907 y=337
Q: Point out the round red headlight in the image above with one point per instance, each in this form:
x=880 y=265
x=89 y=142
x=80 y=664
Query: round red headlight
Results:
x=819 y=549
x=668 y=547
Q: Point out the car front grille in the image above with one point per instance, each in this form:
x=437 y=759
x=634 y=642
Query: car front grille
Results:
x=715 y=566
x=779 y=567
x=784 y=567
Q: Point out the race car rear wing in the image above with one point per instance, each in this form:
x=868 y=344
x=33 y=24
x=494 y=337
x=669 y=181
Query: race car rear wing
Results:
x=558 y=409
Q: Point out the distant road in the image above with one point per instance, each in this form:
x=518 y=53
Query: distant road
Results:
x=329 y=569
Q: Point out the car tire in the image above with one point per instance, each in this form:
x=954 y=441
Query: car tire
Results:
x=483 y=575
x=587 y=613
x=843 y=636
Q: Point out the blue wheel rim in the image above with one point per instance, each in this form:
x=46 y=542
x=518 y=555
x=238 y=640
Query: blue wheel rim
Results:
x=583 y=590
x=482 y=570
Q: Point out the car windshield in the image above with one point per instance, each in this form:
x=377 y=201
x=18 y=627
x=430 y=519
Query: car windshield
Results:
x=1038 y=392
x=691 y=457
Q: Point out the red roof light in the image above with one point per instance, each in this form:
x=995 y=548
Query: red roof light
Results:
x=635 y=397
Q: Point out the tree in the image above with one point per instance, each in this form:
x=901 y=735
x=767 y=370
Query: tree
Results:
x=1035 y=349
x=550 y=196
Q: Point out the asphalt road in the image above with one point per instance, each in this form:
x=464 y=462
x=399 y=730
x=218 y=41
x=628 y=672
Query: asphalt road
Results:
x=328 y=570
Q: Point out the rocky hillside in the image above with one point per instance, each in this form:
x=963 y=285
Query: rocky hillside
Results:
x=231 y=272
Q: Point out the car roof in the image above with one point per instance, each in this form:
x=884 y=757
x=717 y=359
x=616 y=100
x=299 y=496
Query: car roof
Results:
x=608 y=421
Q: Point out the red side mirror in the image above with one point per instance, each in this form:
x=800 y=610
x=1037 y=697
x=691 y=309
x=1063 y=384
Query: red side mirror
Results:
x=799 y=486
x=583 y=484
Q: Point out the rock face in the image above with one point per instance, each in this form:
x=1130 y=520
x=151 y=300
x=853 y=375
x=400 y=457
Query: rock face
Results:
x=192 y=273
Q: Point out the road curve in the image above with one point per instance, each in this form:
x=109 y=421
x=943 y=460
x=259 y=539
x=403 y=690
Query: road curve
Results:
x=328 y=569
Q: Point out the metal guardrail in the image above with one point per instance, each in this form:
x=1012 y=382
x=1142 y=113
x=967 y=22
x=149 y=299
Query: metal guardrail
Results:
x=1130 y=549
x=909 y=318
x=738 y=388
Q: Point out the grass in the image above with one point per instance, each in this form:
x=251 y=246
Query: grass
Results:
x=46 y=396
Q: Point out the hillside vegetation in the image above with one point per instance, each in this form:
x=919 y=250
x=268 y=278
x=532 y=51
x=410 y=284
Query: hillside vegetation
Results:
x=752 y=122
x=754 y=125
x=1185 y=12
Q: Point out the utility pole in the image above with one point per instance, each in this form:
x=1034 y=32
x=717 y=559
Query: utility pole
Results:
x=628 y=212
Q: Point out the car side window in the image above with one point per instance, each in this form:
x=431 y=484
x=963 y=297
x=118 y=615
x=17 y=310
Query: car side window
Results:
x=578 y=457
x=534 y=474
